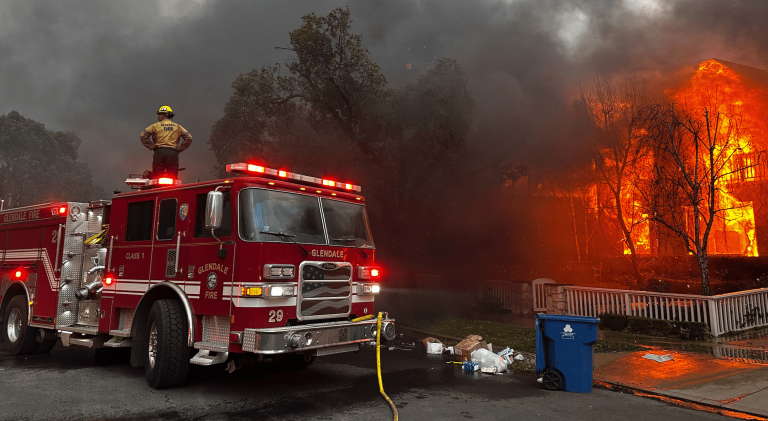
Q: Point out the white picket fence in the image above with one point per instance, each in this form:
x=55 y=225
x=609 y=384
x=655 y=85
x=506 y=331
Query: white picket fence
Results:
x=722 y=313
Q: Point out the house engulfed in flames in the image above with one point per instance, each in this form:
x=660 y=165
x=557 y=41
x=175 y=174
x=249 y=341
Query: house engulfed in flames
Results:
x=739 y=230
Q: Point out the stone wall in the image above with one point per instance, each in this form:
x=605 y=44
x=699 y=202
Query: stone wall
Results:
x=556 y=299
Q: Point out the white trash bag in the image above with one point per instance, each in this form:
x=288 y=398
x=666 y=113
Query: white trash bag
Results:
x=488 y=360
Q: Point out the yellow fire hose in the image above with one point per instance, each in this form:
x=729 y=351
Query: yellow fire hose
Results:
x=378 y=359
x=378 y=367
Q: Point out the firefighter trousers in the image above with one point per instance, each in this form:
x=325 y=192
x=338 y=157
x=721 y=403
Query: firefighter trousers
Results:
x=165 y=162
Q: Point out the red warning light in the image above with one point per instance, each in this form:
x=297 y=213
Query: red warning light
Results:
x=374 y=273
x=108 y=280
x=18 y=274
x=348 y=186
x=282 y=173
x=61 y=210
x=255 y=168
x=165 y=180
x=330 y=183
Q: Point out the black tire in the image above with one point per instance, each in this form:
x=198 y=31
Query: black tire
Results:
x=299 y=361
x=167 y=353
x=46 y=339
x=552 y=380
x=18 y=337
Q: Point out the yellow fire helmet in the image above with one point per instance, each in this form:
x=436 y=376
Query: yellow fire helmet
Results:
x=165 y=110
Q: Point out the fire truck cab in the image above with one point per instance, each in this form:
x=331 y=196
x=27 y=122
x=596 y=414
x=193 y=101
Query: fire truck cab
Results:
x=271 y=263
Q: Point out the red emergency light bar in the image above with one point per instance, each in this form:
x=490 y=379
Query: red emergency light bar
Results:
x=134 y=181
x=251 y=169
x=59 y=210
x=164 y=181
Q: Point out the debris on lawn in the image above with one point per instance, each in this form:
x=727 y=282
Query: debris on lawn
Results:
x=488 y=360
x=430 y=340
x=470 y=366
x=505 y=354
x=463 y=350
x=433 y=345
x=659 y=358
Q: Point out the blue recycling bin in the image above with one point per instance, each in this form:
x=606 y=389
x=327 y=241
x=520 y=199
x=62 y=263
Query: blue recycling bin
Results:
x=564 y=351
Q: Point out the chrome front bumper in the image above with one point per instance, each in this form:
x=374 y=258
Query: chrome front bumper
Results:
x=327 y=338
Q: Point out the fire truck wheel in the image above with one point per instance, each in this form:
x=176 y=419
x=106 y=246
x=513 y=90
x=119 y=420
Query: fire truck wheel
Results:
x=18 y=337
x=167 y=353
x=46 y=339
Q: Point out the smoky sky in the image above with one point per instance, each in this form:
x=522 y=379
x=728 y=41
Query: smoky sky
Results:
x=102 y=68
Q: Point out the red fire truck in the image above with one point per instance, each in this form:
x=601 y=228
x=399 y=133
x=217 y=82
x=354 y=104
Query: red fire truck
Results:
x=271 y=263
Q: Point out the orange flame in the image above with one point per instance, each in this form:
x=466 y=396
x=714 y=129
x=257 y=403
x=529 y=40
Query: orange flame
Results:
x=718 y=88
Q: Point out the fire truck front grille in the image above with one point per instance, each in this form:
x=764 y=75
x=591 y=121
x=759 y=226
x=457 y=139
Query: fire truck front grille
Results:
x=324 y=290
x=324 y=308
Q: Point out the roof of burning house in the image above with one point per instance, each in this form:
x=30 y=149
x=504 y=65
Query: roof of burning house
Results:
x=756 y=75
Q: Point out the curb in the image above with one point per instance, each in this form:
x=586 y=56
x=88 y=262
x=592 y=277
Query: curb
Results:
x=676 y=400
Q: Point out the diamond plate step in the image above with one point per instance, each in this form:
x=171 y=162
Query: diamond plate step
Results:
x=204 y=357
x=212 y=346
x=125 y=333
x=122 y=343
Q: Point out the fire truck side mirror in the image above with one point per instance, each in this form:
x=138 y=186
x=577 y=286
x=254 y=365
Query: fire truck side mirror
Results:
x=214 y=209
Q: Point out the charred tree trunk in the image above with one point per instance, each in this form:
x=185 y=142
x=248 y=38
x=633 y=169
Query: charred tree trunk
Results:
x=703 y=260
x=575 y=232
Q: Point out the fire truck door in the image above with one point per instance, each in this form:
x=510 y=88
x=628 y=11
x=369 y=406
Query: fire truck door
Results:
x=132 y=253
x=168 y=240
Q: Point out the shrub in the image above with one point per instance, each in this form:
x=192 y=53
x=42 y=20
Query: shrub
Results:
x=615 y=322
x=654 y=327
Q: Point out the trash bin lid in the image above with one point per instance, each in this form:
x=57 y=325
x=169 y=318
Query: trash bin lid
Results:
x=568 y=318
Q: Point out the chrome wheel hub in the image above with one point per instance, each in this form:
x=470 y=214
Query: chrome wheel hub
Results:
x=14 y=325
x=152 y=344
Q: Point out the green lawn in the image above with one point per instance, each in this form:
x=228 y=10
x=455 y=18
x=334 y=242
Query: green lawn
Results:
x=516 y=337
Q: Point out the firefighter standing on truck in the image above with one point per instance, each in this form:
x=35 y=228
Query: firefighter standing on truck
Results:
x=166 y=145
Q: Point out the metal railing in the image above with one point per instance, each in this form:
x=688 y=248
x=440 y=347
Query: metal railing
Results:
x=483 y=291
x=722 y=313
x=497 y=292
x=540 y=293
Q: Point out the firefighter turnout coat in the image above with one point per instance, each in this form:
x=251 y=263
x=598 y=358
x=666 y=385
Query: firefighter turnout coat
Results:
x=166 y=134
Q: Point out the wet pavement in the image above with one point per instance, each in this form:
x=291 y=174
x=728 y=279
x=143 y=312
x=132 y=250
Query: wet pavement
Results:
x=699 y=378
x=749 y=346
x=69 y=383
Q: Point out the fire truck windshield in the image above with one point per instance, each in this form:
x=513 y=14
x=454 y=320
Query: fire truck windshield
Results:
x=263 y=212
x=347 y=224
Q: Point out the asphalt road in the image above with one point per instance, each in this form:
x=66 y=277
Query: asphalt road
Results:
x=74 y=383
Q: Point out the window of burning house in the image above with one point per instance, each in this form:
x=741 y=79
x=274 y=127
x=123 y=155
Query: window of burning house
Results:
x=166 y=220
x=139 y=225
x=280 y=217
x=347 y=224
x=225 y=230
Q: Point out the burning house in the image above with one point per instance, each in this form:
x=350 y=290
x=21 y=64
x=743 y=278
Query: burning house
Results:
x=588 y=195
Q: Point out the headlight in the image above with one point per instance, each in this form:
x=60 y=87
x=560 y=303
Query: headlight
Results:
x=368 y=289
x=268 y=291
x=272 y=271
x=274 y=291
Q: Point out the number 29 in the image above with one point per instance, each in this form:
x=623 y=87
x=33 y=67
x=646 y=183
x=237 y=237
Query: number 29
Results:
x=275 y=316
